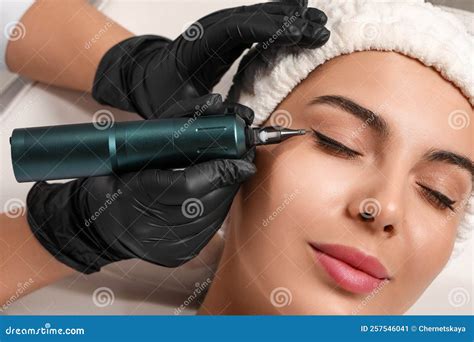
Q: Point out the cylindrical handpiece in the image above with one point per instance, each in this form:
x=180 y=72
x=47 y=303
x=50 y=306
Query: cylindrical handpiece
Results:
x=85 y=150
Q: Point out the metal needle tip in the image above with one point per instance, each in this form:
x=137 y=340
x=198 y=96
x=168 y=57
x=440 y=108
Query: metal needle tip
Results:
x=286 y=132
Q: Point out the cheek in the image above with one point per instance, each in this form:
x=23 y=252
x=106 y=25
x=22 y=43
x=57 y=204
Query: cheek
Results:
x=426 y=245
x=297 y=166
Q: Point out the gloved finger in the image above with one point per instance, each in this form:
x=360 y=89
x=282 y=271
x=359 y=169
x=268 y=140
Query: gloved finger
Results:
x=290 y=7
x=243 y=111
x=198 y=106
x=233 y=108
x=250 y=155
x=315 y=15
x=263 y=28
x=303 y=3
x=190 y=215
x=170 y=187
x=313 y=36
x=208 y=176
x=210 y=104
x=222 y=15
x=286 y=8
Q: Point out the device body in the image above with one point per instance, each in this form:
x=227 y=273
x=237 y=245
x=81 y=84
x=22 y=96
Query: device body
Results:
x=84 y=150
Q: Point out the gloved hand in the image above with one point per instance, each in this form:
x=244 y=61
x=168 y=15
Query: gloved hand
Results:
x=162 y=216
x=147 y=74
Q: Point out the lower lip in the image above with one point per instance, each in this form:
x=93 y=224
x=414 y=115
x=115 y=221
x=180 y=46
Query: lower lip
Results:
x=348 y=277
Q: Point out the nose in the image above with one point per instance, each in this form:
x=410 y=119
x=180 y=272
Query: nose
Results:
x=378 y=207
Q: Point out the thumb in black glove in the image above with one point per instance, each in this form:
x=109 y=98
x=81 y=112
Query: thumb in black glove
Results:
x=162 y=216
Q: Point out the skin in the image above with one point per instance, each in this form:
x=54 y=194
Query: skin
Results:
x=411 y=236
x=58 y=51
x=24 y=260
x=65 y=49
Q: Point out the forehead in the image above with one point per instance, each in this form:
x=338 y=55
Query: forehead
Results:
x=413 y=98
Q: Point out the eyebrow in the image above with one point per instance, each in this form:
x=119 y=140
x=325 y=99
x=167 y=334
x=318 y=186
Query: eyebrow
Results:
x=451 y=158
x=381 y=127
x=374 y=121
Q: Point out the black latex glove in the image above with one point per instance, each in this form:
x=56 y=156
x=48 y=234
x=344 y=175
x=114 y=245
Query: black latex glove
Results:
x=162 y=216
x=147 y=74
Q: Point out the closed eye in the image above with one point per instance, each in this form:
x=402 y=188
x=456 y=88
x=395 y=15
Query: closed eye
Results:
x=334 y=147
x=436 y=198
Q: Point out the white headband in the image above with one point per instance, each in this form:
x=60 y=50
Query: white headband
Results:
x=411 y=27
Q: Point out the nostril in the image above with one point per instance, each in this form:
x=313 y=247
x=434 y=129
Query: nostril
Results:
x=388 y=228
x=368 y=217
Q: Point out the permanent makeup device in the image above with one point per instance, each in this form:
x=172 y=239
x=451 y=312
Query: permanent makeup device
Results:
x=87 y=150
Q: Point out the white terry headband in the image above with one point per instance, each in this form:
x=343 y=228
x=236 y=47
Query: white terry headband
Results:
x=411 y=27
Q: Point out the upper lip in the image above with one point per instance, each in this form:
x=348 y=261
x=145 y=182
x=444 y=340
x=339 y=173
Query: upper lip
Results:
x=355 y=258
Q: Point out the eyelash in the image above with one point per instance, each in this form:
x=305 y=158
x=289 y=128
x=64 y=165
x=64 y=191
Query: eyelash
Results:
x=334 y=147
x=436 y=198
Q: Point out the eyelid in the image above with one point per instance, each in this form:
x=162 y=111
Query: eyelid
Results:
x=324 y=139
x=445 y=200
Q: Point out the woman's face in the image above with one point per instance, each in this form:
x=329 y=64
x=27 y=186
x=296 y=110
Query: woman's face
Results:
x=359 y=215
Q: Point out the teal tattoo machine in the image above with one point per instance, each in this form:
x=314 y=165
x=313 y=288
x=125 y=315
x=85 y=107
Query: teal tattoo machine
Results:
x=87 y=150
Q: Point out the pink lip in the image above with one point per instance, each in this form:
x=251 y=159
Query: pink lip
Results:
x=352 y=269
